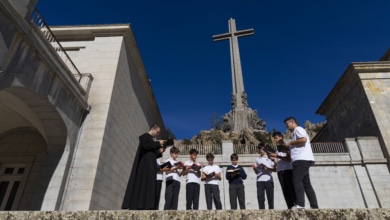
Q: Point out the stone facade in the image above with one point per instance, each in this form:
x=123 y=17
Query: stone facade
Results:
x=68 y=143
x=359 y=105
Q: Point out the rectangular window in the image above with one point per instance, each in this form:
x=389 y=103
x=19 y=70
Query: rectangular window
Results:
x=11 y=177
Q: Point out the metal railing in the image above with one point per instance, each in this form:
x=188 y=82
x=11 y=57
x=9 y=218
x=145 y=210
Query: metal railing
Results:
x=328 y=147
x=202 y=150
x=48 y=34
x=245 y=149
x=317 y=147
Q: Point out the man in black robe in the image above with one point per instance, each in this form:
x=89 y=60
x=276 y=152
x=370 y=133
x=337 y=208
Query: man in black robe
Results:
x=141 y=188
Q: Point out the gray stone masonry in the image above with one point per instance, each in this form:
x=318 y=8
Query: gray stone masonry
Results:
x=350 y=214
x=358 y=105
x=358 y=179
x=77 y=152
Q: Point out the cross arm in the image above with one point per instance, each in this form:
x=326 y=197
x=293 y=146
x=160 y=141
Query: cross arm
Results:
x=219 y=37
x=244 y=32
x=225 y=36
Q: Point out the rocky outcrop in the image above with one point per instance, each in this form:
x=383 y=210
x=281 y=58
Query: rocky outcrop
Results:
x=248 y=136
x=311 y=129
x=215 y=136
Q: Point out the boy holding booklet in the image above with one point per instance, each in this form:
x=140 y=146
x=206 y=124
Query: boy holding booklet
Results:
x=284 y=169
x=212 y=175
x=263 y=167
x=235 y=174
x=192 y=181
x=173 y=180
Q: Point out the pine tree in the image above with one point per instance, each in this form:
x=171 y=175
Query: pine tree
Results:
x=216 y=123
x=170 y=134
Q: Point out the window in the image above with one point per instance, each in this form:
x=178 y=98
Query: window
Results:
x=11 y=176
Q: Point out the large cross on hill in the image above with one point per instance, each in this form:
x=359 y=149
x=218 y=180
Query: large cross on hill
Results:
x=240 y=112
x=237 y=80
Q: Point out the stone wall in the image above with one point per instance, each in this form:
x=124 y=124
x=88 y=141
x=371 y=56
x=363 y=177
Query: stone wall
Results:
x=350 y=214
x=38 y=89
x=358 y=105
x=85 y=159
x=122 y=108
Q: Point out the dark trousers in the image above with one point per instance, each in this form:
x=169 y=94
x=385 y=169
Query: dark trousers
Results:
x=172 y=195
x=237 y=191
x=212 y=191
x=268 y=187
x=286 y=183
x=158 y=193
x=192 y=196
x=302 y=184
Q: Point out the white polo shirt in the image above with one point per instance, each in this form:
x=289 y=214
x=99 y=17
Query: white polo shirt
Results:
x=174 y=175
x=209 y=169
x=283 y=165
x=304 y=151
x=264 y=175
x=192 y=176
x=159 y=173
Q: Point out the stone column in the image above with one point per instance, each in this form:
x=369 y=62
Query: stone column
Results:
x=227 y=150
x=24 y=7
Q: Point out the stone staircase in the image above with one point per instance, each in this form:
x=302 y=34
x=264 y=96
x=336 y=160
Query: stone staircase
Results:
x=202 y=214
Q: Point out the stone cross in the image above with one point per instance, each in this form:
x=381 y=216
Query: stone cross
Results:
x=239 y=97
x=238 y=83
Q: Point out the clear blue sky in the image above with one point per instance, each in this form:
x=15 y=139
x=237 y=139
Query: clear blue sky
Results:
x=298 y=52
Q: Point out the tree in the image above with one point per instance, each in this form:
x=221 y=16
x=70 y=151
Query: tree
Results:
x=215 y=137
x=187 y=141
x=216 y=123
x=263 y=136
x=170 y=134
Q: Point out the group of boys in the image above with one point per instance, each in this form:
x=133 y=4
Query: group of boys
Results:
x=211 y=175
x=292 y=162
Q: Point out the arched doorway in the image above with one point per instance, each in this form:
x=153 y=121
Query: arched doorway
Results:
x=32 y=140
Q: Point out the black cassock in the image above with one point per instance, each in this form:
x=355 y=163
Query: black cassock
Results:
x=141 y=188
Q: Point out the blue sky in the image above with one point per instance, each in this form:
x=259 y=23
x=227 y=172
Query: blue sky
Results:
x=298 y=52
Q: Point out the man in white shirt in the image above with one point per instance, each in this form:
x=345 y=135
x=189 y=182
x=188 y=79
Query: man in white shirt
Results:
x=302 y=158
x=212 y=175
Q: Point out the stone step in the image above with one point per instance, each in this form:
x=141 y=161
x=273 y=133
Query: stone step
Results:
x=202 y=214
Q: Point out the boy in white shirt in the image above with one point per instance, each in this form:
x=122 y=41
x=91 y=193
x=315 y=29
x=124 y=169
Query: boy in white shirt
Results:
x=159 y=176
x=212 y=175
x=192 y=181
x=173 y=181
x=284 y=169
x=263 y=167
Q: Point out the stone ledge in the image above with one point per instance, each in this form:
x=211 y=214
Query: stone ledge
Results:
x=348 y=214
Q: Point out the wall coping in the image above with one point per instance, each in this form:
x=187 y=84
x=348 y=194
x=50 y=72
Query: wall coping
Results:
x=203 y=214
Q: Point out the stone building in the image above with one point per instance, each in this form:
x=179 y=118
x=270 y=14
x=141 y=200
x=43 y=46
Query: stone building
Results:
x=70 y=113
x=359 y=104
